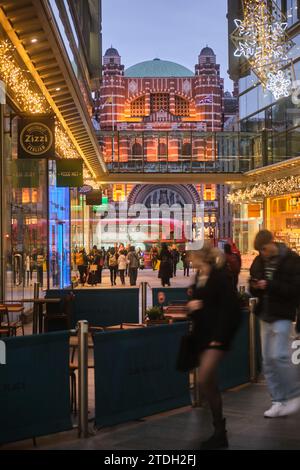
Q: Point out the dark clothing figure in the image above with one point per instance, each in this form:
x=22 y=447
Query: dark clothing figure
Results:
x=133 y=272
x=186 y=263
x=113 y=274
x=122 y=276
x=220 y=316
x=233 y=265
x=133 y=264
x=112 y=261
x=100 y=264
x=280 y=300
x=175 y=260
x=214 y=327
x=166 y=266
x=94 y=260
x=275 y=281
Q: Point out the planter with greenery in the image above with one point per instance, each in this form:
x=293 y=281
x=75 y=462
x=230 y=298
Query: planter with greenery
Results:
x=155 y=316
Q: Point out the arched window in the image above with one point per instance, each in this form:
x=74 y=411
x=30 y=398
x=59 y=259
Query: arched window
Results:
x=159 y=101
x=182 y=107
x=137 y=150
x=137 y=107
x=186 y=150
x=162 y=149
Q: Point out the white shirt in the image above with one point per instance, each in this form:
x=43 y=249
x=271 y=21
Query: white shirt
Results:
x=122 y=262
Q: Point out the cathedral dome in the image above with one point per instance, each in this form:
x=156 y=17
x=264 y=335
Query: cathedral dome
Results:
x=207 y=51
x=111 y=52
x=158 y=68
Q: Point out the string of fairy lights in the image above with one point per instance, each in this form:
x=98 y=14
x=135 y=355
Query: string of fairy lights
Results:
x=15 y=78
x=261 y=38
x=19 y=82
x=259 y=191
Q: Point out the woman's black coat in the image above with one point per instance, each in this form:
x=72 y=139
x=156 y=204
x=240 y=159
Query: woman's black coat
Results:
x=220 y=316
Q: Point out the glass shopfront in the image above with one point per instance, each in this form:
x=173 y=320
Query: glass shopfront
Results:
x=283 y=219
x=247 y=221
x=24 y=216
x=32 y=250
x=59 y=232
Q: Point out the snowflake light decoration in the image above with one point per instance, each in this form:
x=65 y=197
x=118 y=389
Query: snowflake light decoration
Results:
x=246 y=40
x=279 y=84
x=262 y=40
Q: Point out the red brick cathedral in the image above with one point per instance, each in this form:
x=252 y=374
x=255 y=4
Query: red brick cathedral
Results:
x=159 y=95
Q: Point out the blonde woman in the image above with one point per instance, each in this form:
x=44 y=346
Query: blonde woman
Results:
x=215 y=314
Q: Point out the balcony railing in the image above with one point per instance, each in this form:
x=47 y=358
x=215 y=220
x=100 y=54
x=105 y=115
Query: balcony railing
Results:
x=181 y=152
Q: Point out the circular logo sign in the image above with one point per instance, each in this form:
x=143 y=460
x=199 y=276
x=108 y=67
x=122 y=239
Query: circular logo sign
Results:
x=36 y=138
x=161 y=297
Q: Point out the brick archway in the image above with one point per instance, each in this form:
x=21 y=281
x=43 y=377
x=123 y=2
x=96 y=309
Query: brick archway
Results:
x=185 y=194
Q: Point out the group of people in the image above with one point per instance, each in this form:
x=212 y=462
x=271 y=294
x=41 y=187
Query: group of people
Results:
x=168 y=258
x=215 y=312
x=173 y=259
x=118 y=259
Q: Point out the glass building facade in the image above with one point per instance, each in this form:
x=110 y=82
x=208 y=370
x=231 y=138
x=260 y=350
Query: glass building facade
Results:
x=42 y=224
x=279 y=124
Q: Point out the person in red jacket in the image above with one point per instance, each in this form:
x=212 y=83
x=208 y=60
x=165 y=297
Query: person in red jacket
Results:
x=233 y=264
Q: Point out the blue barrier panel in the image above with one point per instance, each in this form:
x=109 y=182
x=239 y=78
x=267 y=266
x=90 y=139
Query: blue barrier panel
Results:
x=135 y=373
x=103 y=307
x=34 y=387
x=234 y=369
x=171 y=294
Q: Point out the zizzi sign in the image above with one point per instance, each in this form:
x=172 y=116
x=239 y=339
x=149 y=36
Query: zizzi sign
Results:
x=2 y=353
x=36 y=137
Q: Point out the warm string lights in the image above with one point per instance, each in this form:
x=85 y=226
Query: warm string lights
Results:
x=259 y=191
x=63 y=145
x=261 y=38
x=32 y=102
x=15 y=78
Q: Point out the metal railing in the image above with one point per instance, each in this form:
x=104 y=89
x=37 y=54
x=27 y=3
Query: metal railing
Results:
x=181 y=152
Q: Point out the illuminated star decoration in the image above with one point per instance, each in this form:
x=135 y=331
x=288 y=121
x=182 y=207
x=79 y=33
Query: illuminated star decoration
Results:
x=262 y=40
x=246 y=40
x=279 y=85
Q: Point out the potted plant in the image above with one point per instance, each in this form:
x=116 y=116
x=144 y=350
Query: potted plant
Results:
x=244 y=299
x=155 y=316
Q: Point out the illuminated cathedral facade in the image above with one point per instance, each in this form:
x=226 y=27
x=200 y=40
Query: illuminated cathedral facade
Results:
x=162 y=102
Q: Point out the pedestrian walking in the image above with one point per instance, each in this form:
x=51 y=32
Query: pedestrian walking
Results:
x=186 y=263
x=112 y=261
x=94 y=259
x=233 y=265
x=81 y=261
x=166 y=265
x=175 y=259
x=133 y=264
x=40 y=267
x=275 y=281
x=122 y=263
x=215 y=313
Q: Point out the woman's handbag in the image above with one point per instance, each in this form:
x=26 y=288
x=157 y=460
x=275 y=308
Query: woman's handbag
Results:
x=188 y=354
x=93 y=268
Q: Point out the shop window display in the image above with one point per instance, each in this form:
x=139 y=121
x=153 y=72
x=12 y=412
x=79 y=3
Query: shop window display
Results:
x=24 y=219
x=283 y=219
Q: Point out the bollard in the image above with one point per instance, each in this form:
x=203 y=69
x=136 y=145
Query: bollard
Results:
x=144 y=300
x=252 y=340
x=36 y=294
x=83 y=328
x=36 y=290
